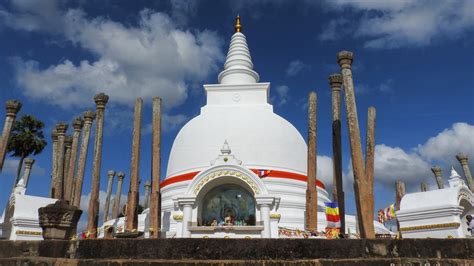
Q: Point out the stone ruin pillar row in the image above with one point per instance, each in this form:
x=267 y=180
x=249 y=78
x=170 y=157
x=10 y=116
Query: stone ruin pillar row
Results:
x=12 y=107
x=118 y=194
x=89 y=117
x=155 y=198
x=26 y=174
x=147 y=186
x=54 y=176
x=335 y=81
x=67 y=158
x=101 y=100
x=110 y=174
x=366 y=226
x=369 y=159
x=132 y=201
x=77 y=125
x=424 y=187
x=61 y=129
x=462 y=158
x=438 y=173
x=311 y=190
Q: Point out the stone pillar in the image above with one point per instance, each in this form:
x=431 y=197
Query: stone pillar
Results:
x=363 y=201
x=369 y=158
x=155 y=199
x=110 y=174
x=54 y=176
x=26 y=174
x=311 y=189
x=335 y=81
x=93 y=212
x=265 y=218
x=147 y=194
x=400 y=192
x=187 y=218
x=132 y=201
x=77 y=125
x=462 y=158
x=424 y=187
x=67 y=159
x=438 y=173
x=118 y=194
x=12 y=107
x=89 y=117
x=58 y=188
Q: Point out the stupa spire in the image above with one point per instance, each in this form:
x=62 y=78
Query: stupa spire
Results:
x=238 y=67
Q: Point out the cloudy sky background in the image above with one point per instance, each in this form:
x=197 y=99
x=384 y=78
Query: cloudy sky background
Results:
x=413 y=62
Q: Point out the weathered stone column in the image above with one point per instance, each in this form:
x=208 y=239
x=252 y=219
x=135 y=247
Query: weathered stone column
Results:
x=155 y=199
x=93 y=213
x=61 y=129
x=118 y=194
x=400 y=192
x=132 y=201
x=89 y=116
x=26 y=174
x=438 y=173
x=335 y=81
x=369 y=158
x=110 y=174
x=77 y=124
x=462 y=158
x=424 y=187
x=147 y=194
x=311 y=189
x=12 y=107
x=363 y=202
x=54 y=173
x=67 y=158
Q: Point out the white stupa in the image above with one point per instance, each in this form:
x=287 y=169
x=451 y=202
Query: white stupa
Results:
x=238 y=159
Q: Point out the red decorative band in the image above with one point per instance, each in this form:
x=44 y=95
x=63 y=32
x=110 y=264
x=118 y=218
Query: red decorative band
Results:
x=271 y=173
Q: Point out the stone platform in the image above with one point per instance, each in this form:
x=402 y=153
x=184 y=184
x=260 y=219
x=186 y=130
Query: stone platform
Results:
x=239 y=252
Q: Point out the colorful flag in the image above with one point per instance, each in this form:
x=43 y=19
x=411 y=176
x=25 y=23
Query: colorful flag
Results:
x=263 y=173
x=381 y=216
x=332 y=215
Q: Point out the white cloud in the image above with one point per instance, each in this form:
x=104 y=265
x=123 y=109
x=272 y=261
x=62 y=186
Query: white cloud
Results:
x=393 y=24
x=10 y=167
x=282 y=94
x=450 y=142
x=385 y=87
x=155 y=58
x=334 y=30
x=295 y=67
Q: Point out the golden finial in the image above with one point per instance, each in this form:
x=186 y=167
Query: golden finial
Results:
x=238 y=27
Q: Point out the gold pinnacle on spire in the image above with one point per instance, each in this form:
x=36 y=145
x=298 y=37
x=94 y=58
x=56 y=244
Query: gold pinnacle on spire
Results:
x=238 y=27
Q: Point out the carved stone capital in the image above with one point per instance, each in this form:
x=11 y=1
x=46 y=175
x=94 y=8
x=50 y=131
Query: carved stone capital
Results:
x=89 y=116
x=121 y=176
x=462 y=158
x=29 y=162
x=101 y=100
x=111 y=174
x=147 y=184
x=77 y=123
x=437 y=171
x=345 y=58
x=12 y=107
x=335 y=81
x=54 y=135
x=68 y=142
x=61 y=128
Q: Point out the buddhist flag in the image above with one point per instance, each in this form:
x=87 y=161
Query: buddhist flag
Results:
x=263 y=173
x=332 y=215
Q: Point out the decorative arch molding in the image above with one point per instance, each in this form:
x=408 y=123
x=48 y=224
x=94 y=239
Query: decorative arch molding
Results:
x=234 y=171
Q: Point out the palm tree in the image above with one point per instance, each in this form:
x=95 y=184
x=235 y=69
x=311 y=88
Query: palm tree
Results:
x=26 y=138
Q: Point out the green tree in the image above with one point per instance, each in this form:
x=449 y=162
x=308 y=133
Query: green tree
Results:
x=26 y=138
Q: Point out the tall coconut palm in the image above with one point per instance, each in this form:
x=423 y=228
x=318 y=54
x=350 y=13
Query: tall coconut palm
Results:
x=26 y=138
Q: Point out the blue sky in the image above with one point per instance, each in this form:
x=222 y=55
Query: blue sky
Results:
x=413 y=62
